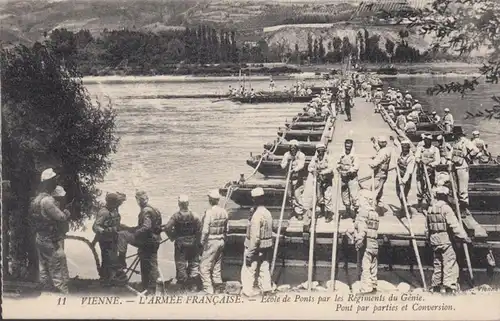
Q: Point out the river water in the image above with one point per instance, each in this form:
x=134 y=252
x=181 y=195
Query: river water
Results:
x=175 y=146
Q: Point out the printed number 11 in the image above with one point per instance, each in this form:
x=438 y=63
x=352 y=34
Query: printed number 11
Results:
x=61 y=301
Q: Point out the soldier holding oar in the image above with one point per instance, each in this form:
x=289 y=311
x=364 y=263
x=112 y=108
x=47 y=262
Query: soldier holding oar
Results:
x=427 y=157
x=380 y=167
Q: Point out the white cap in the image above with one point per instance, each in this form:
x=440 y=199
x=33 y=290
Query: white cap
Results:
x=183 y=198
x=59 y=191
x=379 y=88
x=294 y=142
x=409 y=117
x=413 y=108
x=476 y=133
x=407 y=91
x=426 y=136
x=406 y=142
x=214 y=194
x=440 y=137
x=415 y=100
x=382 y=139
x=48 y=174
x=258 y=191
x=391 y=106
x=434 y=112
x=441 y=190
x=446 y=110
x=320 y=145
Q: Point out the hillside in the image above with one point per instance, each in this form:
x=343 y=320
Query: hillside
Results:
x=26 y=21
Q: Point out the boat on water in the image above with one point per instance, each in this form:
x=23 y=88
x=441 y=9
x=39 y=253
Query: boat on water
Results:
x=305 y=125
x=308 y=148
x=274 y=98
x=270 y=166
x=388 y=70
x=303 y=135
x=301 y=117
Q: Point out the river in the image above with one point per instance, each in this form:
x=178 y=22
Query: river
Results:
x=175 y=146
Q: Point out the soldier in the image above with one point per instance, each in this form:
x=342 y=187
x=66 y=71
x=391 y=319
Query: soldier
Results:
x=106 y=227
x=448 y=120
x=426 y=155
x=380 y=167
x=400 y=120
x=440 y=221
x=298 y=160
x=213 y=235
x=258 y=248
x=320 y=166
x=463 y=151
x=406 y=165
x=348 y=167
x=183 y=229
x=377 y=98
x=146 y=237
x=410 y=126
x=365 y=238
x=47 y=219
x=484 y=156
x=435 y=118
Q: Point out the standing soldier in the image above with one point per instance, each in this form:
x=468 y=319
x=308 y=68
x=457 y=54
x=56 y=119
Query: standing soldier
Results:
x=408 y=99
x=426 y=155
x=258 y=247
x=47 y=219
x=106 y=227
x=380 y=167
x=440 y=221
x=183 y=228
x=406 y=165
x=348 y=167
x=435 y=118
x=146 y=237
x=463 y=151
x=298 y=160
x=348 y=104
x=365 y=238
x=445 y=155
x=213 y=235
x=448 y=120
x=320 y=166
x=484 y=156
x=377 y=98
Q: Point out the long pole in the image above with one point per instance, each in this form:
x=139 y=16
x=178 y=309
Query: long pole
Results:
x=413 y=241
x=459 y=214
x=335 y=233
x=427 y=181
x=312 y=237
x=280 y=223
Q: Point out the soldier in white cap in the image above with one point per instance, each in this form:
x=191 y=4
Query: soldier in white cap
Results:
x=445 y=150
x=184 y=229
x=47 y=219
x=365 y=238
x=380 y=167
x=377 y=98
x=213 y=236
x=435 y=118
x=298 y=160
x=417 y=105
x=415 y=113
x=411 y=126
x=426 y=155
x=400 y=120
x=321 y=166
x=348 y=167
x=463 y=152
x=258 y=247
x=448 y=120
x=441 y=221
x=484 y=156
x=406 y=165
x=408 y=99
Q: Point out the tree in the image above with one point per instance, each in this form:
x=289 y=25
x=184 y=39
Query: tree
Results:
x=316 y=51
x=321 y=50
x=389 y=47
x=346 y=48
x=463 y=28
x=310 y=47
x=53 y=124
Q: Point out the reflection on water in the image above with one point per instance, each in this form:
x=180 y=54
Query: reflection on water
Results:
x=169 y=147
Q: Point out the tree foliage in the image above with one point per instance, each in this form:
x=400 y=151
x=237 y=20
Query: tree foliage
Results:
x=463 y=28
x=48 y=120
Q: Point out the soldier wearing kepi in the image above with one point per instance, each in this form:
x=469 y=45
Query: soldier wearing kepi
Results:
x=298 y=160
x=406 y=165
x=440 y=222
x=348 y=167
x=365 y=237
x=213 y=235
x=106 y=227
x=320 y=165
x=258 y=248
x=426 y=155
x=380 y=167
x=146 y=237
x=463 y=151
x=184 y=229
x=47 y=219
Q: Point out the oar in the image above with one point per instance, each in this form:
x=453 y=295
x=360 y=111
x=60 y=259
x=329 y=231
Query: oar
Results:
x=427 y=181
x=459 y=214
x=413 y=241
x=336 y=219
x=221 y=99
x=276 y=243
x=312 y=237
